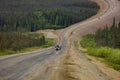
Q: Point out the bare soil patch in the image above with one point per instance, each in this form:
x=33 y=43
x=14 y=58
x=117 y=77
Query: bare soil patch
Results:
x=48 y=33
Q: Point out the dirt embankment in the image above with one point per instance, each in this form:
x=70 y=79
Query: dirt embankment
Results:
x=48 y=33
x=115 y=75
x=77 y=67
x=71 y=68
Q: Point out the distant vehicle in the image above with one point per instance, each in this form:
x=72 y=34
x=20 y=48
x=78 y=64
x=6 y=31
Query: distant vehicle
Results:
x=57 y=47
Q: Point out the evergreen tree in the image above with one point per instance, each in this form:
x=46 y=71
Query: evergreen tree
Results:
x=109 y=37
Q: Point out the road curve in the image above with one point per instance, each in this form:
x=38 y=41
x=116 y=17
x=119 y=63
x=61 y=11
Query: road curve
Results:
x=41 y=65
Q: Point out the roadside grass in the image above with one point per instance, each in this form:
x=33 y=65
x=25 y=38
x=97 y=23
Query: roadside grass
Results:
x=6 y=52
x=76 y=43
x=109 y=56
x=48 y=43
x=88 y=41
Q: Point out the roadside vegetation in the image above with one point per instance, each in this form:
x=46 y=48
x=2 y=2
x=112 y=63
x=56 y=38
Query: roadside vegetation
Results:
x=104 y=44
x=23 y=43
x=16 y=42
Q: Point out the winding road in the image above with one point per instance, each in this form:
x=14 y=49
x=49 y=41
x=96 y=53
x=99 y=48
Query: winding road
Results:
x=49 y=64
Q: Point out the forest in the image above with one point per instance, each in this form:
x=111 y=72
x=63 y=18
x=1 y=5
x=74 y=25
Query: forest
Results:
x=109 y=36
x=18 y=41
x=15 y=17
x=19 y=17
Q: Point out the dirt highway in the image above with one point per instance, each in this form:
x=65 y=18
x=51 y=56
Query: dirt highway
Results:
x=66 y=64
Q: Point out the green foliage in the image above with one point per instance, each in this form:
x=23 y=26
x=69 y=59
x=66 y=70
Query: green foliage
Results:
x=99 y=52
x=28 y=6
x=22 y=16
x=113 y=65
x=6 y=52
x=114 y=56
x=88 y=41
x=109 y=36
x=17 y=41
x=85 y=4
x=48 y=43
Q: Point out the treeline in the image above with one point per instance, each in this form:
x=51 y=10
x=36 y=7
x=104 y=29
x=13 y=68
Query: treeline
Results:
x=27 y=6
x=43 y=19
x=22 y=16
x=18 y=41
x=109 y=36
x=84 y=4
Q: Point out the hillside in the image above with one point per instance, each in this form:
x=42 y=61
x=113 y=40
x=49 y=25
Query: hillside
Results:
x=30 y=5
x=32 y=15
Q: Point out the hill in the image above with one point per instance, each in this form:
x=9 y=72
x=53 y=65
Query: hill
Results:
x=30 y=5
x=32 y=15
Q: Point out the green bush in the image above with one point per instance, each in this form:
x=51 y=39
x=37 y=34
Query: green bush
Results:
x=113 y=65
x=6 y=52
x=88 y=41
x=48 y=43
x=102 y=52
x=18 y=41
x=114 y=56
